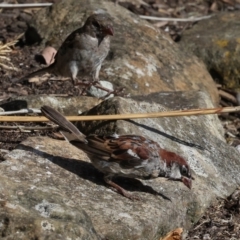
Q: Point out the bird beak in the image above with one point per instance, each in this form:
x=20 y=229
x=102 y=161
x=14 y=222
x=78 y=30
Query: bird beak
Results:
x=187 y=182
x=108 y=30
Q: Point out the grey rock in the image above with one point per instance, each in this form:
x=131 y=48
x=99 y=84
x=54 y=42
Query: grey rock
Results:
x=216 y=42
x=67 y=105
x=51 y=179
x=142 y=59
x=28 y=210
x=99 y=93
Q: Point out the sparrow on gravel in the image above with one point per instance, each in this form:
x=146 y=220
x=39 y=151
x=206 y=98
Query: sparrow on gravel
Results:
x=84 y=50
x=130 y=156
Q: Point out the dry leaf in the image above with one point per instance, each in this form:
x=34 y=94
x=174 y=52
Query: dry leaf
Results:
x=160 y=24
x=214 y=6
x=48 y=54
x=39 y=80
x=58 y=135
x=173 y=235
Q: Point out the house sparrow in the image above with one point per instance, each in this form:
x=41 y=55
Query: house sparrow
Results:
x=130 y=156
x=84 y=50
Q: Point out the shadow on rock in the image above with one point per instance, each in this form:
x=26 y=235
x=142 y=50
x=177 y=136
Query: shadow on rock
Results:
x=86 y=171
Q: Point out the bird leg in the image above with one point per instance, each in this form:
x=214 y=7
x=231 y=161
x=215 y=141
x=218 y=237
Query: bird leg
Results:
x=116 y=92
x=85 y=84
x=122 y=191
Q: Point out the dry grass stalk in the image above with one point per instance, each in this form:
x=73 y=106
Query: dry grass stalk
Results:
x=188 y=112
x=25 y=5
x=5 y=49
x=190 y=19
x=228 y=96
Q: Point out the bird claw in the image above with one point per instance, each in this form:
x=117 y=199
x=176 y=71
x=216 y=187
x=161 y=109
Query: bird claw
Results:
x=117 y=92
x=132 y=197
x=126 y=194
x=119 y=189
x=88 y=84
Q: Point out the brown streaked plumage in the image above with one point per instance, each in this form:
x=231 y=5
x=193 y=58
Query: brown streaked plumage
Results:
x=129 y=156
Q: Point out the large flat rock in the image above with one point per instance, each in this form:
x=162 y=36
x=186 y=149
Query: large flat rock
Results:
x=53 y=181
x=32 y=207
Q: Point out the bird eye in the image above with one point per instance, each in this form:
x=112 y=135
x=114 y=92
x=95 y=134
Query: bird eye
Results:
x=96 y=24
x=184 y=170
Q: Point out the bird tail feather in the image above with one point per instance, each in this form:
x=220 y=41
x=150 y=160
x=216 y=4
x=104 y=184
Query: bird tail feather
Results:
x=33 y=74
x=60 y=120
x=39 y=72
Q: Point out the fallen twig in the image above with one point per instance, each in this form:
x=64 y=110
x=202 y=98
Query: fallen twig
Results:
x=36 y=128
x=198 y=226
x=25 y=5
x=228 y=96
x=37 y=5
x=190 y=19
x=22 y=111
x=188 y=112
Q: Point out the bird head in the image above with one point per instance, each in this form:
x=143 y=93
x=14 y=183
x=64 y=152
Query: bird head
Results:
x=100 y=23
x=177 y=168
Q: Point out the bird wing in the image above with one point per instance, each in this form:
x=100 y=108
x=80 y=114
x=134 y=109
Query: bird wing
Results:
x=127 y=150
x=72 y=41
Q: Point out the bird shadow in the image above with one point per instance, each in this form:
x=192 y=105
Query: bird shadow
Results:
x=89 y=129
x=86 y=170
x=165 y=134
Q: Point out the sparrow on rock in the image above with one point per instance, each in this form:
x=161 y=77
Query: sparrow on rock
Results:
x=84 y=50
x=130 y=156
